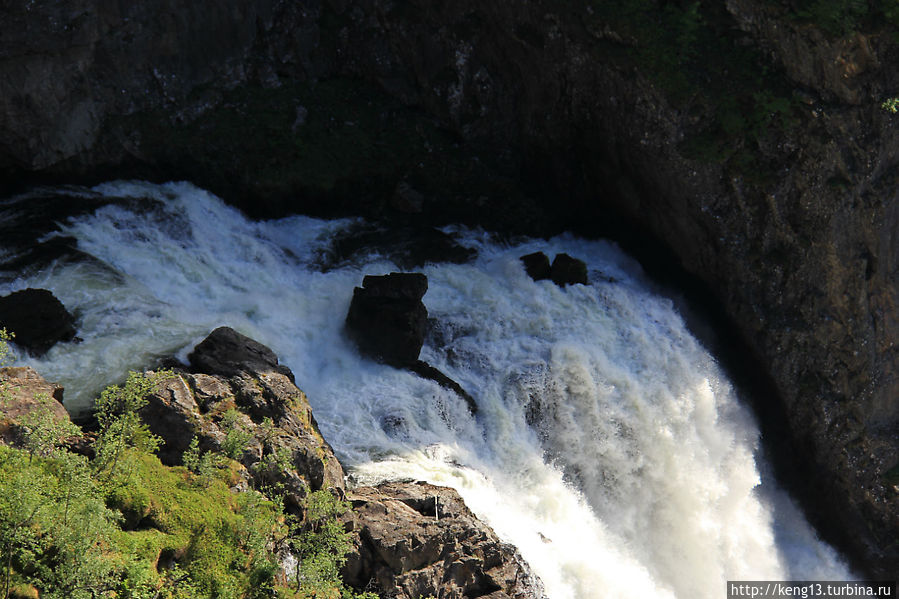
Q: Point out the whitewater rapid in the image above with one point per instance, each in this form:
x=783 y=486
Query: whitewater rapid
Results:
x=609 y=447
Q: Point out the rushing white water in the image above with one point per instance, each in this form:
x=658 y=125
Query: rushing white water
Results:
x=609 y=448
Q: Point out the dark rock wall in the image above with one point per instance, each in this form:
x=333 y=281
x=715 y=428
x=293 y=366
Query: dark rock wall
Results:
x=799 y=245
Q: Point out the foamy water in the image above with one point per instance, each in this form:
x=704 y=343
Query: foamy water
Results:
x=609 y=447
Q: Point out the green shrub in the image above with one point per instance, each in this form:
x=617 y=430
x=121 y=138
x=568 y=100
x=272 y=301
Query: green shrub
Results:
x=5 y=351
x=117 y=412
x=236 y=437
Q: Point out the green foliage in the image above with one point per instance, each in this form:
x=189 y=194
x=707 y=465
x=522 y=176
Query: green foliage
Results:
x=55 y=528
x=217 y=539
x=117 y=412
x=5 y=351
x=836 y=17
x=320 y=544
x=126 y=526
x=891 y=105
x=42 y=431
x=205 y=465
x=276 y=461
x=237 y=437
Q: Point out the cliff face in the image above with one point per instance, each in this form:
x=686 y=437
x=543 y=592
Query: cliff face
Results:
x=778 y=191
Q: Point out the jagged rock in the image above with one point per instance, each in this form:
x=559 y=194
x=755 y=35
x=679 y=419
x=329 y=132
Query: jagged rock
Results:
x=227 y=353
x=387 y=318
x=282 y=441
x=417 y=540
x=37 y=318
x=568 y=271
x=173 y=414
x=23 y=390
x=536 y=265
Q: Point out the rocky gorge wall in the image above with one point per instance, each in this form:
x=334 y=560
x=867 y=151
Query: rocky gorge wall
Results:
x=777 y=191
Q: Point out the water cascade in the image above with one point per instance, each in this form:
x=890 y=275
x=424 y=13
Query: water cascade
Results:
x=609 y=447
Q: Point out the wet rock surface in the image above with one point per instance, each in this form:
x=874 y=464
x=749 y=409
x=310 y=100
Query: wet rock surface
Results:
x=566 y=270
x=388 y=321
x=419 y=540
x=37 y=318
x=387 y=318
x=537 y=266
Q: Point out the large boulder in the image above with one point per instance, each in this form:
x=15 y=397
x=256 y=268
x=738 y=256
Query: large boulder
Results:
x=536 y=265
x=227 y=353
x=387 y=318
x=37 y=318
x=417 y=540
x=566 y=270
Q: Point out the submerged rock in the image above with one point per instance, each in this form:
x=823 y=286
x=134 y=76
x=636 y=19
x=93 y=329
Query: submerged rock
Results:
x=568 y=271
x=417 y=540
x=536 y=265
x=425 y=370
x=38 y=319
x=387 y=318
x=564 y=270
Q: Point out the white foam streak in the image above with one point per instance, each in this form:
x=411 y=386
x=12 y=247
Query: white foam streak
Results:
x=636 y=475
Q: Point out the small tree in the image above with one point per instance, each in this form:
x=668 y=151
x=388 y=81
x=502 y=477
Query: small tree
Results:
x=42 y=431
x=236 y=437
x=117 y=412
x=321 y=544
x=5 y=351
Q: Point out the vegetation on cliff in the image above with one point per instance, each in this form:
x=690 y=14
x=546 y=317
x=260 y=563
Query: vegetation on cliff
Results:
x=122 y=524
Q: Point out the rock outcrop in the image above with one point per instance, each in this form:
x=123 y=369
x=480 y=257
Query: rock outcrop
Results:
x=22 y=391
x=537 y=266
x=388 y=322
x=566 y=270
x=411 y=540
x=37 y=318
x=387 y=318
x=780 y=195
x=239 y=400
x=418 y=540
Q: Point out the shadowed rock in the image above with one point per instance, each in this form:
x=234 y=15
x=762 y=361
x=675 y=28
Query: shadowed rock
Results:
x=568 y=271
x=37 y=318
x=387 y=318
x=536 y=265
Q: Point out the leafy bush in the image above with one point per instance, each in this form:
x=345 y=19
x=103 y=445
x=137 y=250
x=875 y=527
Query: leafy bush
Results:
x=236 y=437
x=118 y=414
x=5 y=352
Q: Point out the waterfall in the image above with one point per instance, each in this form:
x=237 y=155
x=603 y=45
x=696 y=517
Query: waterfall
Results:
x=609 y=447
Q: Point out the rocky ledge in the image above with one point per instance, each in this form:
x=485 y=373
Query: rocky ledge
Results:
x=412 y=540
